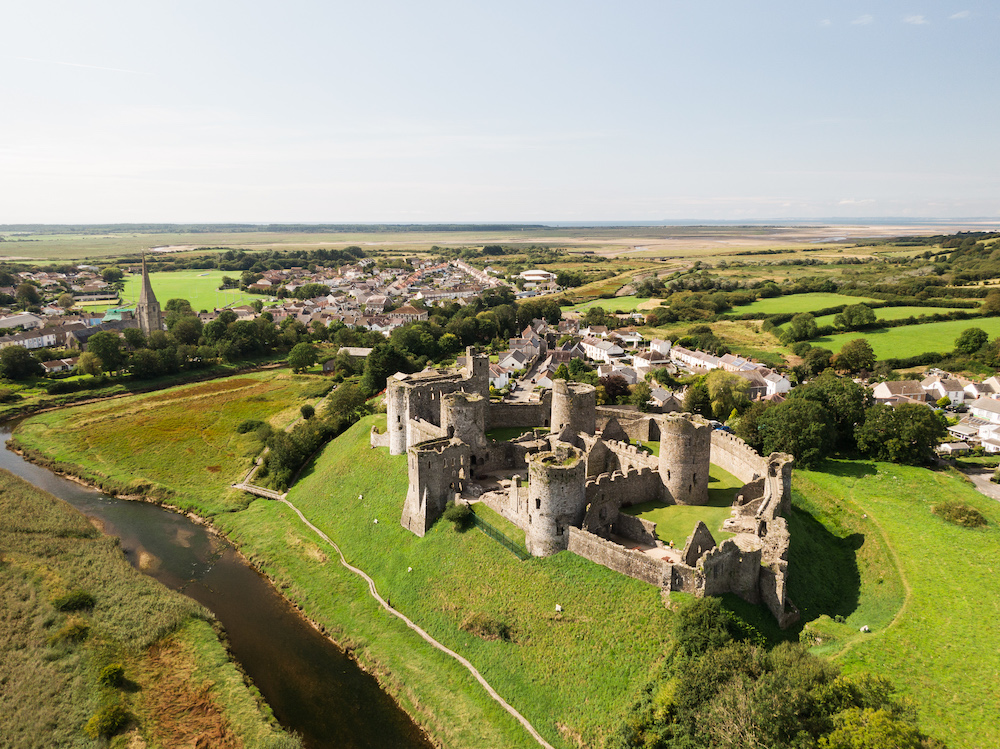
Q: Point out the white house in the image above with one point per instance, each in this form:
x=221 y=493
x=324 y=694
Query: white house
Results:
x=987 y=409
x=777 y=383
x=499 y=376
x=939 y=387
x=599 y=350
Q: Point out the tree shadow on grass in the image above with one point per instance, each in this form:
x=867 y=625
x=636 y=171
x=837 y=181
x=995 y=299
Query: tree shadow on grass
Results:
x=848 y=468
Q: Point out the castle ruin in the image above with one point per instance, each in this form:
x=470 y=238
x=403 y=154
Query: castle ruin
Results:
x=565 y=480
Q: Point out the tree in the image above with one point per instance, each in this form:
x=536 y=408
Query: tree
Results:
x=747 y=426
x=801 y=327
x=798 y=426
x=943 y=402
x=307 y=411
x=108 y=348
x=855 y=356
x=27 y=295
x=616 y=388
x=991 y=305
x=186 y=330
x=854 y=316
x=817 y=359
x=17 y=363
x=134 y=338
x=302 y=356
x=112 y=274
x=971 y=340
x=697 y=400
x=65 y=301
x=905 y=434
x=89 y=363
x=144 y=364
x=383 y=362
x=641 y=393
x=727 y=391
x=844 y=400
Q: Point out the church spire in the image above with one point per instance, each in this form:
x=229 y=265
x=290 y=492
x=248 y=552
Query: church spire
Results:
x=148 y=310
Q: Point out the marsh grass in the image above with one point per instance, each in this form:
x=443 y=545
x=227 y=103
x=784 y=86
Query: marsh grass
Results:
x=52 y=660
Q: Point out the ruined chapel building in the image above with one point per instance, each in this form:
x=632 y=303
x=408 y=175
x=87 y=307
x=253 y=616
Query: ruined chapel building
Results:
x=148 y=310
x=567 y=478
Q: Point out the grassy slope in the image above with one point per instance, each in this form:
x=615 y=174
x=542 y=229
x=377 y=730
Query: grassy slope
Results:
x=112 y=439
x=911 y=340
x=50 y=690
x=927 y=591
x=676 y=522
x=200 y=287
x=798 y=303
x=573 y=673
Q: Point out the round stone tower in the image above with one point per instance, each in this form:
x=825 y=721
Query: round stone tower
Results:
x=685 y=448
x=574 y=405
x=463 y=416
x=557 y=498
x=398 y=416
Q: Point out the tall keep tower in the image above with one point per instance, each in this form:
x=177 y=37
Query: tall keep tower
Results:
x=148 y=311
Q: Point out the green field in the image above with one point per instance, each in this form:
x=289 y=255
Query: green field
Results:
x=910 y=340
x=624 y=303
x=794 y=303
x=172 y=657
x=899 y=313
x=200 y=287
x=929 y=598
x=113 y=441
x=676 y=522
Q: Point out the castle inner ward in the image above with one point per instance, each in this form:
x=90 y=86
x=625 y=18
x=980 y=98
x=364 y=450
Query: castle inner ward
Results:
x=566 y=479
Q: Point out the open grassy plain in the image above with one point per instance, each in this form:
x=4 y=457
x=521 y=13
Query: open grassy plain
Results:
x=51 y=659
x=930 y=600
x=911 y=340
x=121 y=443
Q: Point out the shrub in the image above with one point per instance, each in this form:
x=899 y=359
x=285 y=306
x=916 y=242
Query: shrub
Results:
x=8 y=396
x=307 y=411
x=108 y=721
x=75 y=629
x=460 y=515
x=75 y=600
x=250 y=425
x=112 y=675
x=486 y=627
x=960 y=514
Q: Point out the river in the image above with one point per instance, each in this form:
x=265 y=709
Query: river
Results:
x=312 y=686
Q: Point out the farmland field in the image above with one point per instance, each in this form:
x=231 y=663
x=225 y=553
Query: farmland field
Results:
x=910 y=340
x=200 y=287
x=898 y=313
x=795 y=303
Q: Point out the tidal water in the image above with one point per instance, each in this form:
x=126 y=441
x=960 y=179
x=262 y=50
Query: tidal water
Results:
x=312 y=686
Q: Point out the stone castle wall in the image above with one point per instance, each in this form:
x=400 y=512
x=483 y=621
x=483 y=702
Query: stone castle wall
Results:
x=618 y=558
x=732 y=454
x=637 y=425
x=437 y=471
x=635 y=529
x=556 y=498
x=502 y=414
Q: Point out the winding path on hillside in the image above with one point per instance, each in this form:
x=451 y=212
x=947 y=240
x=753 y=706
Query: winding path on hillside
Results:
x=409 y=623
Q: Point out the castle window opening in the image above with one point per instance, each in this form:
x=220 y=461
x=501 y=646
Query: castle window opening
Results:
x=538 y=504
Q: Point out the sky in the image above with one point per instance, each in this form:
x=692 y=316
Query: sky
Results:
x=383 y=111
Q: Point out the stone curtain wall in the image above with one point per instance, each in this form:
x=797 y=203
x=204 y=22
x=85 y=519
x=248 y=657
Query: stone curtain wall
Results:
x=732 y=454
x=618 y=558
x=500 y=415
x=635 y=529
